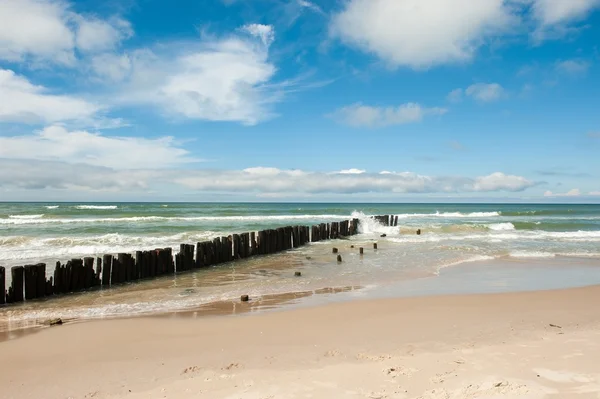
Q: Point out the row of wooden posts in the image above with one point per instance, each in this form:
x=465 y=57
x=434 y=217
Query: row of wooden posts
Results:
x=30 y=282
x=387 y=220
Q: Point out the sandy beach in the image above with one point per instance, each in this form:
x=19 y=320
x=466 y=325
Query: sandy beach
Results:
x=534 y=345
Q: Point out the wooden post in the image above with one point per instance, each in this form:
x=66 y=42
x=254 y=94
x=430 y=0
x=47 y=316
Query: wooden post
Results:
x=361 y=250
x=41 y=279
x=199 y=255
x=16 y=285
x=396 y=220
x=107 y=261
x=272 y=241
x=236 y=246
x=88 y=264
x=253 y=246
x=30 y=282
x=98 y=272
x=217 y=250
x=49 y=286
x=374 y=245
x=115 y=277
x=2 y=285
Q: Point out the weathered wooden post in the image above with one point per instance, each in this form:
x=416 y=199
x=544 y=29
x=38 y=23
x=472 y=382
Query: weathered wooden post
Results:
x=2 y=285
x=253 y=247
x=49 y=287
x=361 y=250
x=107 y=260
x=29 y=272
x=98 y=272
x=41 y=279
x=374 y=245
x=396 y=220
x=16 y=285
x=88 y=265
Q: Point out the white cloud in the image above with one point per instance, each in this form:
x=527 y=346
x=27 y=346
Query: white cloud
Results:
x=500 y=181
x=99 y=35
x=217 y=79
x=48 y=30
x=572 y=67
x=112 y=67
x=555 y=18
x=571 y=193
x=266 y=33
x=422 y=33
x=485 y=92
x=551 y=12
x=358 y=115
x=455 y=96
x=311 y=6
x=594 y=193
x=24 y=102
x=56 y=159
x=55 y=143
x=278 y=181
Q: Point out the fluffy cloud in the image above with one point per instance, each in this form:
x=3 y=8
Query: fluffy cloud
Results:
x=358 y=115
x=56 y=158
x=55 y=143
x=421 y=33
x=552 y=12
x=24 y=102
x=500 y=181
x=555 y=17
x=572 y=67
x=48 y=30
x=485 y=92
x=28 y=174
x=571 y=193
x=217 y=79
x=424 y=33
x=311 y=6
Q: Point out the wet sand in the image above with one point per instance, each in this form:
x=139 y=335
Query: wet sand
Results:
x=543 y=344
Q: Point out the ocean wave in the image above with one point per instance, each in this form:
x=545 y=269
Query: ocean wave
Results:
x=51 y=206
x=24 y=247
x=25 y=217
x=476 y=258
x=100 y=207
x=501 y=226
x=449 y=215
x=249 y=218
x=532 y=254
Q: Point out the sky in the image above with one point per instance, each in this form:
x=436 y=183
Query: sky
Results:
x=298 y=100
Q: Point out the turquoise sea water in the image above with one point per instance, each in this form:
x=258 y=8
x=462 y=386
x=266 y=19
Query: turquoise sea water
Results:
x=58 y=231
x=452 y=234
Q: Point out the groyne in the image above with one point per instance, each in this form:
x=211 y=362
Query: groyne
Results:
x=30 y=282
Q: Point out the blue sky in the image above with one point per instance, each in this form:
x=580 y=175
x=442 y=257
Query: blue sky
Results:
x=285 y=100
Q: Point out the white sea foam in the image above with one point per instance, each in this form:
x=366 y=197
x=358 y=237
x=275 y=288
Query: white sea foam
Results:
x=25 y=217
x=22 y=247
x=531 y=254
x=448 y=215
x=249 y=218
x=501 y=226
x=476 y=258
x=52 y=206
x=96 y=207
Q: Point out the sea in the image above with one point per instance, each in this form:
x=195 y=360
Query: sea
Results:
x=452 y=234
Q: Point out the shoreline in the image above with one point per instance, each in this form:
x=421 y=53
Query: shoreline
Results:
x=468 y=278
x=421 y=347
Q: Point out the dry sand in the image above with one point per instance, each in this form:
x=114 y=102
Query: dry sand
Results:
x=517 y=345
